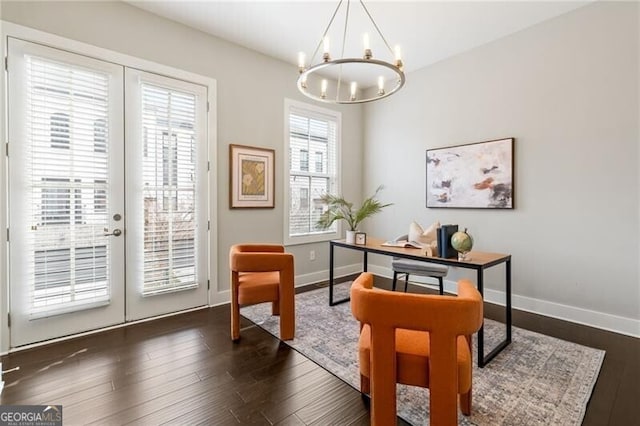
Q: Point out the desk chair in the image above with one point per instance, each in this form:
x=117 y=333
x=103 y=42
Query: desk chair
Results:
x=416 y=267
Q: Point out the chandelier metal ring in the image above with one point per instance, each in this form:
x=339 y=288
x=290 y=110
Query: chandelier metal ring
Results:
x=304 y=76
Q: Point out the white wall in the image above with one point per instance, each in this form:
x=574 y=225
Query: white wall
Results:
x=567 y=90
x=251 y=89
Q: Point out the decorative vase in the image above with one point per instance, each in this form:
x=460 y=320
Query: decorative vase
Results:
x=351 y=237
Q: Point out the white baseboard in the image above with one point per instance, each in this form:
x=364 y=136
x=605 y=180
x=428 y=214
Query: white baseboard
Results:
x=601 y=320
x=220 y=298
x=316 y=277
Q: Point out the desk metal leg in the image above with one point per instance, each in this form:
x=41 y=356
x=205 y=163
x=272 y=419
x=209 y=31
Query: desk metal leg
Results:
x=482 y=359
x=479 y=279
x=508 y=281
x=330 y=274
x=331 y=277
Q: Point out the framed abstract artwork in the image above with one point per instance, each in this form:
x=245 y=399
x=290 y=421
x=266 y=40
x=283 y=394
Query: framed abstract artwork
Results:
x=476 y=175
x=251 y=177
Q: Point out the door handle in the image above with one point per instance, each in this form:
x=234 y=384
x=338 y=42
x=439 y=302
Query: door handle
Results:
x=116 y=233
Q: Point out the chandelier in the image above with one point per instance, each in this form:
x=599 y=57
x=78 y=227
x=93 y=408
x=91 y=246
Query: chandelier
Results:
x=350 y=79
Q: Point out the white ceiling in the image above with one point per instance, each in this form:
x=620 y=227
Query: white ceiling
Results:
x=427 y=31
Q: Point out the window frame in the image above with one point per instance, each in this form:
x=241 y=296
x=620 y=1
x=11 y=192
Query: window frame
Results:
x=322 y=113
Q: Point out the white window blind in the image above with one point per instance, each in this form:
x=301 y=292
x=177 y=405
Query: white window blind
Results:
x=310 y=131
x=169 y=189
x=67 y=254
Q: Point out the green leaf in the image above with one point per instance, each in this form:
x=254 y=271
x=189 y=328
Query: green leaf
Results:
x=340 y=209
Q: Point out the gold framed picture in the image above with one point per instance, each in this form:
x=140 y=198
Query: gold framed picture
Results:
x=361 y=238
x=251 y=177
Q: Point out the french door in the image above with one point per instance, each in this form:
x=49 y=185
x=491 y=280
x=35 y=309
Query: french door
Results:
x=166 y=201
x=80 y=258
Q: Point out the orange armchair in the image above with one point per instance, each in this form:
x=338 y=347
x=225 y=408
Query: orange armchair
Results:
x=416 y=339
x=262 y=273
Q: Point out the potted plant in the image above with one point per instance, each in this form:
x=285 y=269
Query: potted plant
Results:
x=339 y=208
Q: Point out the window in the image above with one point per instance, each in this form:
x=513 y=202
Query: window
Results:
x=304 y=160
x=56 y=205
x=77 y=203
x=319 y=162
x=170 y=171
x=100 y=135
x=56 y=202
x=304 y=198
x=315 y=130
x=100 y=196
x=57 y=279
x=52 y=269
x=60 y=130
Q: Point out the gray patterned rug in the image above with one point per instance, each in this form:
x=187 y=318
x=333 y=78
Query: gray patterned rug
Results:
x=536 y=380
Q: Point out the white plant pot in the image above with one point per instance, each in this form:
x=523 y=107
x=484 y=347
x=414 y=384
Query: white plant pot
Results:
x=351 y=237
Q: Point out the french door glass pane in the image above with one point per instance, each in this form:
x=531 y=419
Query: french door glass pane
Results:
x=66 y=119
x=169 y=184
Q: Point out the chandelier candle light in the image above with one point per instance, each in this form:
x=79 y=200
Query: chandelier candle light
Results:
x=387 y=75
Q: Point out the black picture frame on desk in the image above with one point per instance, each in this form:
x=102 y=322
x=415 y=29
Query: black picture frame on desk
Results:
x=476 y=175
x=361 y=238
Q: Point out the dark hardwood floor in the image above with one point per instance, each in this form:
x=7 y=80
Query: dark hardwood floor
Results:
x=185 y=370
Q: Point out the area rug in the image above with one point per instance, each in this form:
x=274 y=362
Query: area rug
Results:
x=536 y=380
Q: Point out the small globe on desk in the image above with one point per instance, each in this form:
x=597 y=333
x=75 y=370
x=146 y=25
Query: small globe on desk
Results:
x=462 y=243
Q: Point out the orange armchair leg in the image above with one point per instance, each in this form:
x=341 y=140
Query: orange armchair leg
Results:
x=287 y=318
x=365 y=384
x=235 y=308
x=287 y=303
x=443 y=392
x=383 y=376
x=235 y=322
x=465 y=403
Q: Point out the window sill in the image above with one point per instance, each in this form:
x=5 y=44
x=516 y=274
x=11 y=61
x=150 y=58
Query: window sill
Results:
x=307 y=239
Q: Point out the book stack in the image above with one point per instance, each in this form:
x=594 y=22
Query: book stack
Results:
x=444 y=234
